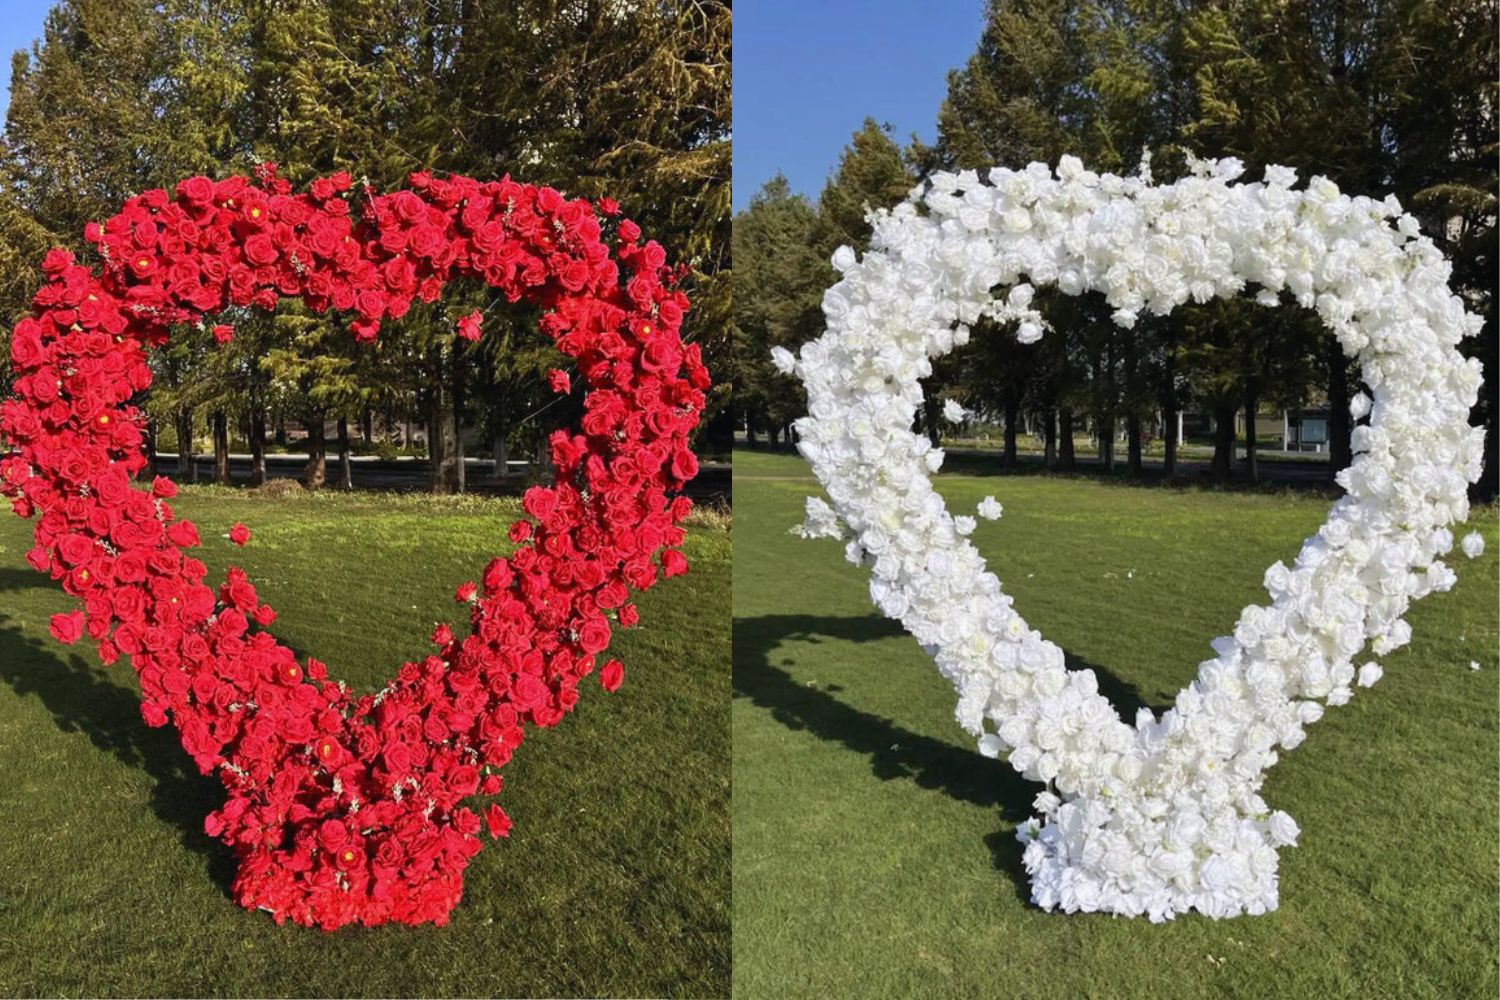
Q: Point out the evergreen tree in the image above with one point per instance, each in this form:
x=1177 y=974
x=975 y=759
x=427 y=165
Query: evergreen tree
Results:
x=781 y=277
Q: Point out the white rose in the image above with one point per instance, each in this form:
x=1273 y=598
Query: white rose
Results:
x=1473 y=545
x=1283 y=829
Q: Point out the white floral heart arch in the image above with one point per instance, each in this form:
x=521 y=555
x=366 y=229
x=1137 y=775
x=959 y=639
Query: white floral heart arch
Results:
x=1162 y=816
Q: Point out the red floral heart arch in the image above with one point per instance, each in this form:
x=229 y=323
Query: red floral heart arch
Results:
x=345 y=808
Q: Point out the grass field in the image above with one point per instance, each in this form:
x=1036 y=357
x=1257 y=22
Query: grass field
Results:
x=874 y=852
x=615 y=880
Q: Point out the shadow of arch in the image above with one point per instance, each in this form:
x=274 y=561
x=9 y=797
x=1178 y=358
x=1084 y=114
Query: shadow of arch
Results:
x=895 y=752
x=84 y=700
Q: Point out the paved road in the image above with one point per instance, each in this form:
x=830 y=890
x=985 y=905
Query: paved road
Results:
x=1272 y=470
x=712 y=484
x=1307 y=473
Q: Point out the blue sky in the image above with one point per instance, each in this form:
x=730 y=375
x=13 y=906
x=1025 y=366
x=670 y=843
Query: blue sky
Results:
x=808 y=72
x=20 y=25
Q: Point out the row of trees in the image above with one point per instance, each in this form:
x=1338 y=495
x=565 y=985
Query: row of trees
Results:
x=1379 y=95
x=594 y=97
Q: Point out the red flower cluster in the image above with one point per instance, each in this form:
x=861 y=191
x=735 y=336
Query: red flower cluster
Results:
x=345 y=808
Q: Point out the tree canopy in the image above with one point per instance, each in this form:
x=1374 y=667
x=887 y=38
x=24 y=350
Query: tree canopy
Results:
x=1381 y=96
x=596 y=98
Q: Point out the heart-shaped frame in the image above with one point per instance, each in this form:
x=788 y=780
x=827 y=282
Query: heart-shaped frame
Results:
x=345 y=808
x=1165 y=815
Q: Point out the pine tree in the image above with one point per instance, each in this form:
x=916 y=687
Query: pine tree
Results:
x=781 y=277
x=872 y=173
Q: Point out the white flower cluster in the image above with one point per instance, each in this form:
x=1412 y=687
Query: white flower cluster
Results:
x=1164 y=815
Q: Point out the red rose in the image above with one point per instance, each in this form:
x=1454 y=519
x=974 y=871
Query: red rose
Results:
x=223 y=333
x=498 y=823
x=242 y=594
x=196 y=190
x=370 y=304
x=594 y=636
x=56 y=260
x=184 y=534
x=660 y=355
x=463 y=780
x=239 y=534
x=528 y=691
x=68 y=628
x=75 y=550
x=673 y=563
x=575 y=276
x=468 y=326
x=497 y=576
x=539 y=502
x=397 y=757
x=332 y=834
x=611 y=675
x=684 y=464
x=466 y=822
x=559 y=381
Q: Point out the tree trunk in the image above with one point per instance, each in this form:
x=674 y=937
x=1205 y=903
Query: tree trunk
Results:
x=1488 y=404
x=1106 y=426
x=459 y=468
x=1133 y=436
x=280 y=436
x=315 y=473
x=441 y=446
x=932 y=420
x=1065 y=458
x=442 y=449
x=346 y=467
x=367 y=426
x=257 y=445
x=1223 y=462
x=750 y=432
x=184 y=421
x=1339 y=454
x=1169 y=439
x=774 y=433
x=1252 y=462
x=1012 y=417
x=221 y=448
x=1049 y=439
x=149 y=444
x=502 y=460
x=1169 y=406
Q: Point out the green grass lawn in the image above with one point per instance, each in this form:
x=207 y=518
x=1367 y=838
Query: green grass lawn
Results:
x=874 y=849
x=615 y=880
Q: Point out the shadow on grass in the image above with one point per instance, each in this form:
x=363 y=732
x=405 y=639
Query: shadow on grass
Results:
x=895 y=752
x=84 y=699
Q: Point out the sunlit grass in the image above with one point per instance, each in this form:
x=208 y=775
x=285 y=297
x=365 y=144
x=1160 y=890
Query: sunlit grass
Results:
x=614 y=882
x=875 y=851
